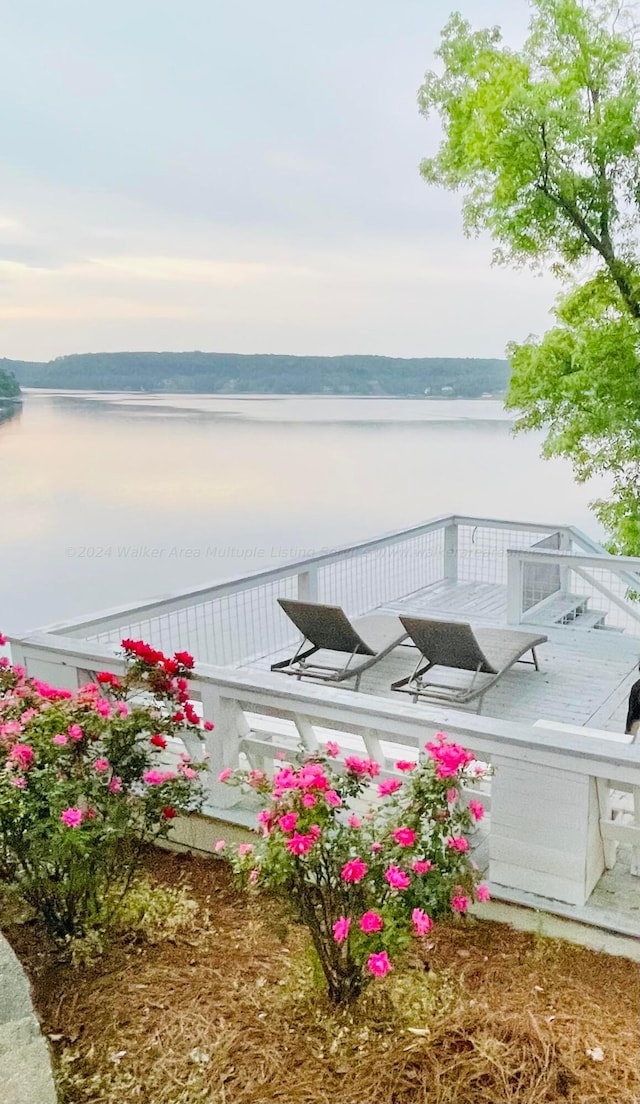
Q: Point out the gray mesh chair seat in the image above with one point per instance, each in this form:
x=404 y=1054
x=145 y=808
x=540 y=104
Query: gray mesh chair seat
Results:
x=487 y=653
x=327 y=629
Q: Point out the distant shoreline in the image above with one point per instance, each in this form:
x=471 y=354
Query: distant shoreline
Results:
x=261 y=394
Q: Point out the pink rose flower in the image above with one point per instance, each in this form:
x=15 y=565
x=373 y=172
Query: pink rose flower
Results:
x=219 y=846
x=75 y=732
x=422 y=922
x=354 y=822
x=354 y=870
x=101 y=765
x=122 y=708
x=299 y=844
x=245 y=849
x=224 y=774
x=156 y=777
x=3 y=640
x=405 y=837
x=102 y=707
x=60 y=739
x=459 y=902
x=72 y=817
x=115 y=785
x=375 y=847
x=19 y=781
x=208 y=726
x=389 y=786
x=378 y=964
x=27 y=715
x=482 y=893
x=341 y=929
x=422 y=866
x=397 y=878
x=371 y=922
x=362 y=766
x=188 y=772
x=333 y=799
x=452 y=795
x=406 y=765
x=22 y=755
x=288 y=822
x=449 y=757
x=309 y=800
x=332 y=749
x=458 y=843
x=254 y=875
x=476 y=809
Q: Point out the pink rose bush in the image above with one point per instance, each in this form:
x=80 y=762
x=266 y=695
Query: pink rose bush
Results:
x=367 y=886
x=83 y=787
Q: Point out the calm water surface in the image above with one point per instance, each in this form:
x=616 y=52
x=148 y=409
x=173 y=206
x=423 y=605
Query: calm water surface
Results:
x=111 y=498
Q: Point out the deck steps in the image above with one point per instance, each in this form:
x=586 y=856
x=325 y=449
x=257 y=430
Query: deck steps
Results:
x=566 y=609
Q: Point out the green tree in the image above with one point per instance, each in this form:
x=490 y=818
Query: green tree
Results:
x=544 y=143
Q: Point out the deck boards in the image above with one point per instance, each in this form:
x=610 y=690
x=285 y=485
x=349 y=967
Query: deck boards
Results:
x=585 y=674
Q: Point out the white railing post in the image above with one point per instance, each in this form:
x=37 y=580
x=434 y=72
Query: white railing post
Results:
x=450 y=551
x=565 y=546
x=515 y=579
x=308 y=585
x=222 y=745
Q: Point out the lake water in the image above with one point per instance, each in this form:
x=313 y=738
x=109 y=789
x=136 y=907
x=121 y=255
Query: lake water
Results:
x=118 y=497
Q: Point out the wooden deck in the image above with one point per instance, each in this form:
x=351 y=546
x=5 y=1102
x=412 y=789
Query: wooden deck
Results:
x=585 y=674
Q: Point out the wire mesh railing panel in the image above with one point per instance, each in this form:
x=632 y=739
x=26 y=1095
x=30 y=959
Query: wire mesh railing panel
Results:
x=364 y=582
x=482 y=551
x=224 y=630
x=600 y=587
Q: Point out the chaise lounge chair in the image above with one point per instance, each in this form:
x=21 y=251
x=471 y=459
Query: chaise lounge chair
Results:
x=488 y=653
x=365 y=641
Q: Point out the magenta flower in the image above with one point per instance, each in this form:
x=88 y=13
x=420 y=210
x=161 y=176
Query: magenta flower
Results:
x=389 y=786
x=299 y=844
x=187 y=772
x=333 y=799
x=354 y=870
x=458 y=843
x=422 y=866
x=371 y=922
x=476 y=809
x=459 y=902
x=406 y=837
x=75 y=732
x=22 y=755
x=315 y=831
x=156 y=777
x=406 y=765
x=309 y=800
x=341 y=929
x=72 y=817
x=224 y=774
x=122 y=708
x=60 y=739
x=115 y=785
x=101 y=765
x=288 y=822
x=27 y=715
x=362 y=766
x=102 y=707
x=449 y=757
x=3 y=640
x=397 y=878
x=482 y=893
x=378 y=964
x=332 y=749
x=375 y=847
x=354 y=822
x=422 y=922
x=452 y=795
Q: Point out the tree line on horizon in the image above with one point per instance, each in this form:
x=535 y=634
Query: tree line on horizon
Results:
x=229 y=373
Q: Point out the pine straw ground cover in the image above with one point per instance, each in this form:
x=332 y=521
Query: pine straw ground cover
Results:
x=225 y=1009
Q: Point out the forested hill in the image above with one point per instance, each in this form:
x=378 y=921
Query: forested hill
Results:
x=9 y=386
x=230 y=373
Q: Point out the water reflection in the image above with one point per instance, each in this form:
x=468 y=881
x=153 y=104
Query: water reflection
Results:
x=116 y=498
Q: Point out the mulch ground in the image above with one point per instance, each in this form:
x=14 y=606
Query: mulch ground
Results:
x=225 y=1010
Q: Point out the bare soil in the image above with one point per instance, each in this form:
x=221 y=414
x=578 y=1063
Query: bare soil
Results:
x=227 y=1010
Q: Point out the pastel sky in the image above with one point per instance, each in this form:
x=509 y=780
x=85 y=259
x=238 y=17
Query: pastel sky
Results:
x=238 y=175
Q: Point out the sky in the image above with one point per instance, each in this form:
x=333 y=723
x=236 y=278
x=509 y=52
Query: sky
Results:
x=239 y=176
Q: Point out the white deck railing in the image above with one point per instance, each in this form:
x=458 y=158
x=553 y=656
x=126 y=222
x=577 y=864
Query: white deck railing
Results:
x=551 y=831
x=239 y=620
